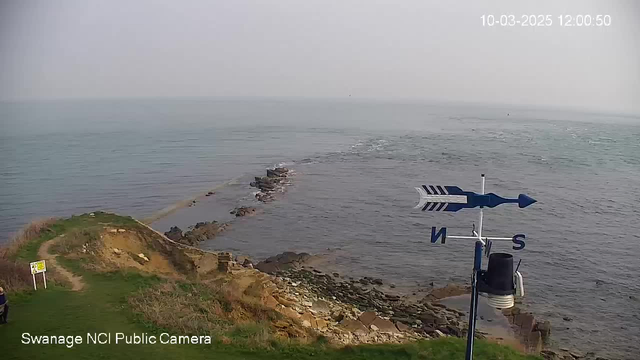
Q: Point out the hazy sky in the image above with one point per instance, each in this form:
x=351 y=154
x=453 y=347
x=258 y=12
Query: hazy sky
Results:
x=408 y=49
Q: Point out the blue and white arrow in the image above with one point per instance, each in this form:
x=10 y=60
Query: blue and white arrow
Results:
x=452 y=198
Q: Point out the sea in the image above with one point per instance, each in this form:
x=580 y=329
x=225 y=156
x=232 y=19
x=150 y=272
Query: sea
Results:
x=352 y=196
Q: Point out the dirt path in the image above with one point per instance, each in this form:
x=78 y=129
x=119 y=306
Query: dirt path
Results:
x=77 y=283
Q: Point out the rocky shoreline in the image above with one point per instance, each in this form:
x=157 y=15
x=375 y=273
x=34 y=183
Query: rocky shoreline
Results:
x=352 y=311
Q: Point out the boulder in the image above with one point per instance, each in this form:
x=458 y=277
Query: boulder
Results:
x=143 y=257
x=243 y=211
x=384 y=325
x=402 y=327
x=545 y=329
x=367 y=318
x=321 y=324
x=175 y=233
x=307 y=317
x=247 y=263
x=284 y=261
x=353 y=326
x=439 y=333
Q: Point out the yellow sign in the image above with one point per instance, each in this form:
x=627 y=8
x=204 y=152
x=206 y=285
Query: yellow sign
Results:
x=38 y=267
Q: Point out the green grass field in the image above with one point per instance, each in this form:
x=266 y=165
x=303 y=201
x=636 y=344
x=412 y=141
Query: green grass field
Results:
x=102 y=308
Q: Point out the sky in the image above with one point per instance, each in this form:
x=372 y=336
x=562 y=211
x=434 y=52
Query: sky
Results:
x=368 y=49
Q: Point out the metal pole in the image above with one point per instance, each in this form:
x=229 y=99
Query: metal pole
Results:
x=44 y=277
x=477 y=265
x=34 y=282
x=481 y=214
x=473 y=308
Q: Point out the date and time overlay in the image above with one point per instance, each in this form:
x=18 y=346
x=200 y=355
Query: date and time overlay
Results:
x=512 y=20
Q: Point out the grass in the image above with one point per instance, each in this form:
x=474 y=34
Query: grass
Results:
x=105 y=306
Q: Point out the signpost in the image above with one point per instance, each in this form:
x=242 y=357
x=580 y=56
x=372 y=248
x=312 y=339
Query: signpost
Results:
x=452 y=198
x=36 y=268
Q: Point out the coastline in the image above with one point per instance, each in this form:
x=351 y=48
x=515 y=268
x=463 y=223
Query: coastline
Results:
x=519 y=328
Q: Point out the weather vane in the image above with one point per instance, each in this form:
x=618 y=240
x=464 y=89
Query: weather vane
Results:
x=499 y=281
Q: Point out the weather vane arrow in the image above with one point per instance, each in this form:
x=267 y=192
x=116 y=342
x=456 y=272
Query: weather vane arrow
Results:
x=452 y=198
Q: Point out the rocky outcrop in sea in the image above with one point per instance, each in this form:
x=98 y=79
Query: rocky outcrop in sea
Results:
x=199 y=232
x=270 y=184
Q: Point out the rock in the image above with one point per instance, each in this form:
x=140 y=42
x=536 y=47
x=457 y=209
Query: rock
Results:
x=335 y=274
x=321 y=306
x=377 y=281
x=243 y=211
x=284 y=301
x=402 y=327
x=545 y=330
x=576 y=354
x=525 y=322
x=288 y=312
x=247 y=263
x=367 y=318
x=306 y=323
x=566 y=318
x=270 y=302
x=321 y=324
x=92 y=214
x=373 y=327
x=439 y=333
x=117 y=251
x=175 y=233
x=284 y=261
x=307 y=317
x=143 y=257
x=202 y=231
x=430 y=318
x=550 y=354
x=534 y=342
x=393 y=286
x=241 y=258
x=353 y=326
x=447 y=291
x=384 y=325
x=121 y=230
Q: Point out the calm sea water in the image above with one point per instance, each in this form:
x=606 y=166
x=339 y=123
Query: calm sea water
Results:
x=352 y=197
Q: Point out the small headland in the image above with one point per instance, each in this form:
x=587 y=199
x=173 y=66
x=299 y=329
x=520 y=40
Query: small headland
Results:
x=139 y=281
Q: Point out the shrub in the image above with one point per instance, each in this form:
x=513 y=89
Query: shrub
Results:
x=15 y=276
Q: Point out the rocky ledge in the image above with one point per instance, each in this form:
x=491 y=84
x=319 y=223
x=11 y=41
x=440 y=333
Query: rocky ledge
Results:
x=425 y=318
x=270 y=184
x=199 y=232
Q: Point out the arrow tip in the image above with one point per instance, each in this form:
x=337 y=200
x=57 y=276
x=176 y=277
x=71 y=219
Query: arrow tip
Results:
x=524 y=200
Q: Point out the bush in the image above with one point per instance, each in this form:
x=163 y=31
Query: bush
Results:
x=15 y=276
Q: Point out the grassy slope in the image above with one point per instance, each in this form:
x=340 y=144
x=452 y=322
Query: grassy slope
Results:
x=101 y=307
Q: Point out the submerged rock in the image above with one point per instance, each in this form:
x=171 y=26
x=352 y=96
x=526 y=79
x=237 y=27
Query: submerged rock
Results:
x=243 y=211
